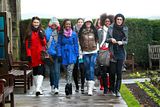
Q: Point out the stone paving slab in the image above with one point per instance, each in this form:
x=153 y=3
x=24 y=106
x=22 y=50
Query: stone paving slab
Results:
x=131 y=81
x=60 y=100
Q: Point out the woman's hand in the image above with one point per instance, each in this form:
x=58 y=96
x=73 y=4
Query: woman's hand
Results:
x=113 y=40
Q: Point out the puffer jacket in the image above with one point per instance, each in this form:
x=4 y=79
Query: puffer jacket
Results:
x=88 y=41
x=68 y=48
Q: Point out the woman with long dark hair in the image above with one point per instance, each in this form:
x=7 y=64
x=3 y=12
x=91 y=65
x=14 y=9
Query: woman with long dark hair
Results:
x=117 y=37
x=35 y=41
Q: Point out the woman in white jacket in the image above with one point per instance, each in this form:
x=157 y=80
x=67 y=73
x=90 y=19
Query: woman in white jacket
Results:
x=106 y=21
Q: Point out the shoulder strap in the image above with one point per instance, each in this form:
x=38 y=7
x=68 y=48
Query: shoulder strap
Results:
x=50 y=40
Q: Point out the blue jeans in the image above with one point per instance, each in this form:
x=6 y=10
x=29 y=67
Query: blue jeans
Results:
x=89 y=63
x=54 y=71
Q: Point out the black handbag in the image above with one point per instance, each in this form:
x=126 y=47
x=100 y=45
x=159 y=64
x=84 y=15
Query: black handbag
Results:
x=45 y=56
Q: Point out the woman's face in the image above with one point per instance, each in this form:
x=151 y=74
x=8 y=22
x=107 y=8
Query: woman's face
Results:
x=107 y=22
x=88 y=24
x=80 y=23
x=67 y=25
x=119 y=20
x=35 y=23
x=53 y=26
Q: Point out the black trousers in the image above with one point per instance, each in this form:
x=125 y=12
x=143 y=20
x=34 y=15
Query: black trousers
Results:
x=76 y=74
x=116 y=75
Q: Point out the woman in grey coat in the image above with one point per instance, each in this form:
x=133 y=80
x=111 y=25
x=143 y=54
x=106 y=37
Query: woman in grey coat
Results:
x=117 y=37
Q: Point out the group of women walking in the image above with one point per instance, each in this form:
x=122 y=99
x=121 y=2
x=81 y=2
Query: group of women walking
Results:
x=76 y=48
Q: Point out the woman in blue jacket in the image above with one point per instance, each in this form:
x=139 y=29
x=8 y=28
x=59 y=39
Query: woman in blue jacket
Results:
x=68 y=51
x=54 y=67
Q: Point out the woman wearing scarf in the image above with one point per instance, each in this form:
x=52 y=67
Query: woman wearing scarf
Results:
x=54 y=67
x=68 y=51
x=117 y=37
x=106 y=21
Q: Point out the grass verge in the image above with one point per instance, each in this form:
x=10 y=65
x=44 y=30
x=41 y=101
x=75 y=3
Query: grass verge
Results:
x=128 y=97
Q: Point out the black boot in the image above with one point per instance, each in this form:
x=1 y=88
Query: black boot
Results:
x=77 y=88
x=67 y=90
x=82 y=88
x=70 y=89
x=117 y=89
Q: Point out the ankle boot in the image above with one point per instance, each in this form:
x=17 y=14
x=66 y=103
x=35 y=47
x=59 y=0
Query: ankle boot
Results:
x=67 y=89
x=70 y=89
x=82 y=88
x=77 y=88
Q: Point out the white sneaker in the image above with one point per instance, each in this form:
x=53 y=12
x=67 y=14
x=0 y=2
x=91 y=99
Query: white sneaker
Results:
x=56 y=91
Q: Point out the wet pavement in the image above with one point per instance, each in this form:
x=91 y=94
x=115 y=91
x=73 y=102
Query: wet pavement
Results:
x=60 y=100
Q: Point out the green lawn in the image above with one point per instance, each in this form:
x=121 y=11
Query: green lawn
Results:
x=128 y=97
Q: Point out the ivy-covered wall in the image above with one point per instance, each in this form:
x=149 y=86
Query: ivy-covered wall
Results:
x=141 y=33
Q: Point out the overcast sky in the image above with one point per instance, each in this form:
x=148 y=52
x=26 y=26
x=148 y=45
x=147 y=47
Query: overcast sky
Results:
x=89 y=8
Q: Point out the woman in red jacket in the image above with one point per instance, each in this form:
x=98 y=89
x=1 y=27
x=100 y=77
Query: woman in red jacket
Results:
x=35 y=42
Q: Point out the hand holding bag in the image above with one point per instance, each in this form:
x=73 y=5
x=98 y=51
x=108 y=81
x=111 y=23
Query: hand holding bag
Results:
x=45 y=56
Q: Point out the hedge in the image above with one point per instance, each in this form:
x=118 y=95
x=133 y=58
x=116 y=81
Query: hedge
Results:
x=141 y=33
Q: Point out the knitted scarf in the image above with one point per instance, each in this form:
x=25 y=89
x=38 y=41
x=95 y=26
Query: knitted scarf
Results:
x=67 y=33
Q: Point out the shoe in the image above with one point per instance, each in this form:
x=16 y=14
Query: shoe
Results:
x=67 y=89
x=82 y=88
x=77 y=90
x=90 y=87
x=38 y=93
x=52 y=89
x=70 y=89
x=118 y=94
x=56 y=91
x=105 y=91
x=82 y=91
x=101 y=88
x=113 y=93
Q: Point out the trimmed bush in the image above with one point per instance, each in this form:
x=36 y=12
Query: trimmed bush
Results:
x=141 y=33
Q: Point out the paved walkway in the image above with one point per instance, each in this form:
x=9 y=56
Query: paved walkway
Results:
x=131 y=81
x=76 y=100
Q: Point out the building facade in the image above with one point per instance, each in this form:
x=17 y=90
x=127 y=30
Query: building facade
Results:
x=14 y=7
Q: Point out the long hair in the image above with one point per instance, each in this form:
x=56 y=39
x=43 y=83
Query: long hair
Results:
x=92 y=27
x=63 y=24
x=111 y=18
x=103 y=18
x=29 y=30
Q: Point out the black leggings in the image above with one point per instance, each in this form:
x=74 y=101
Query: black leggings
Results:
x=116 y=75
x=39 y=70
x=76 y=74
